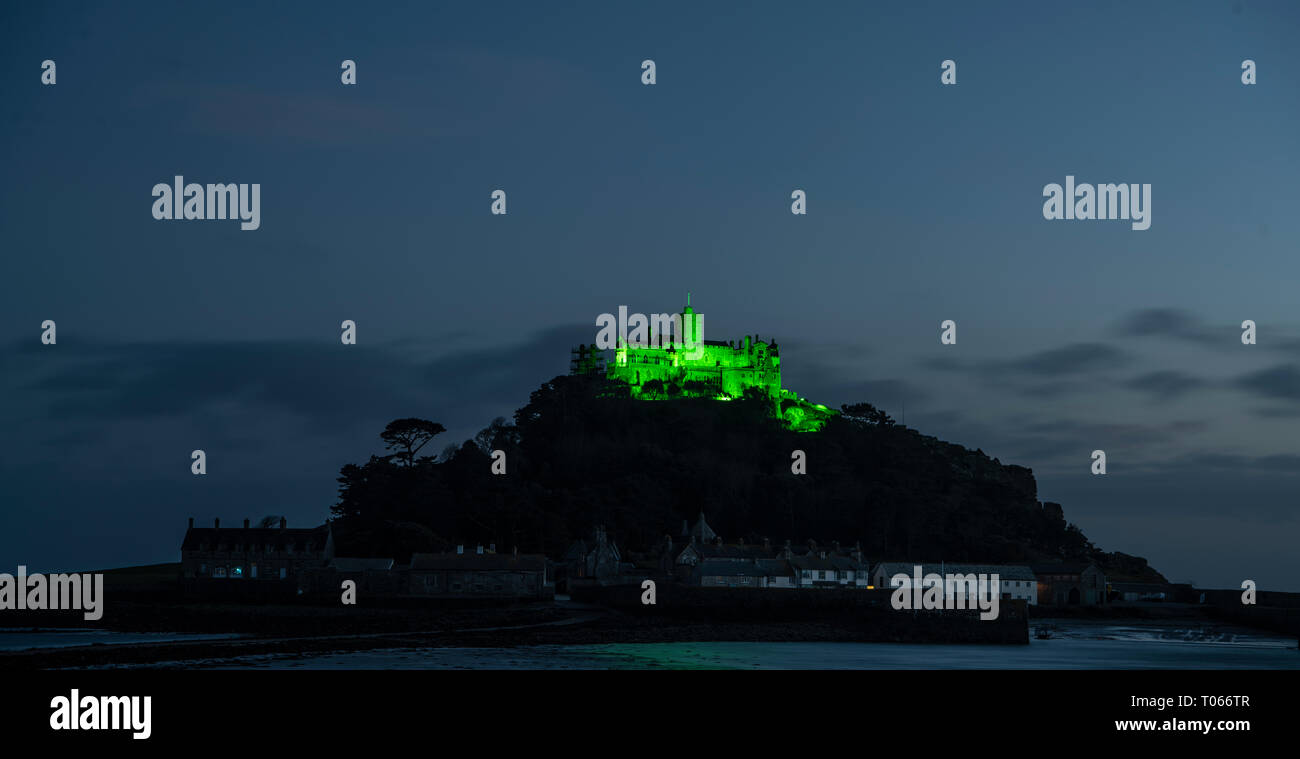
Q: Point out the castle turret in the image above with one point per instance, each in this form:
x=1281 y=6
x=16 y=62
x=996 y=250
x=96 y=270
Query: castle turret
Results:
x=690 y=324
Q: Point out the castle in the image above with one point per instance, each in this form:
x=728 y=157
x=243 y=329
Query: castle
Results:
x=690 y=367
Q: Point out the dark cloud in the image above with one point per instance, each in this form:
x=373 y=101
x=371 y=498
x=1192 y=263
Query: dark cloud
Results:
x=1280 y=382
x=1184 y=326
x=1051 y=364
x=1069 y=360
x=1281 y=463
x=1175 y=324
x=327 y=386
x=1165 y=384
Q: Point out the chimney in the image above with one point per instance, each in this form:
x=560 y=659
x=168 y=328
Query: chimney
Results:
x=460 y=549
x=480 y=548
x=216 y=522
x=245 y=524
x=191 y=523
x=283 y=523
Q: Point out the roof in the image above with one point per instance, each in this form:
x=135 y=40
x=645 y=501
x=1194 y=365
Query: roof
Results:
x=1061 y=569
x=577 y=551
x=812 y=561
x=702 y=532
x=348 y=564
x=1003 y=571
x=748 y=552
x=482 y=562
x=302 y=539
x=760 y=568
x=847 y=562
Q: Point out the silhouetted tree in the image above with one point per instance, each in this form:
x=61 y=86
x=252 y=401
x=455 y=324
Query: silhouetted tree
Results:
x=408 y=436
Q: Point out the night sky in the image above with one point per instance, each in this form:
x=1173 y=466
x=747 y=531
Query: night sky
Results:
x=924 y=204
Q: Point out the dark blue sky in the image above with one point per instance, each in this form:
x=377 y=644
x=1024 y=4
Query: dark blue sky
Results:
x=924 y=204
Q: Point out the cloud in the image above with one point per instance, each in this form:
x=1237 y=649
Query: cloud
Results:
x=1165 y=384
x=1173 y=324
x=1280 y=382
x=1069 y=360
x=329 y=388
x=1051 y=364
x=1183 y=326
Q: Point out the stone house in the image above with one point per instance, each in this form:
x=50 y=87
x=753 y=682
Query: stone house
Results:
x=1081 y=584
x=261 y=554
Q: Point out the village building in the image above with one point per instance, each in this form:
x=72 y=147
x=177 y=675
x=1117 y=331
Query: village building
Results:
x=828 y=568
x=1015 y=581
x=479 y=574
x=597 y=560
x=705 y=560
x=372 y=576
x=1070 y=584
x=259 y=554
x=755 y=573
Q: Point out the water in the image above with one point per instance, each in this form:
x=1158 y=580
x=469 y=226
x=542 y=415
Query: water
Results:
x=17 y=640
x=1074 y=646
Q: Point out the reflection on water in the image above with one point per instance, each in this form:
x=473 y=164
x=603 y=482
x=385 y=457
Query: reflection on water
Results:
x=1073 y=646
x=17 y=640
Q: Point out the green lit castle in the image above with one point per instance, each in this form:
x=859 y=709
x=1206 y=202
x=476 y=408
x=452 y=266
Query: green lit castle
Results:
x=661 y=368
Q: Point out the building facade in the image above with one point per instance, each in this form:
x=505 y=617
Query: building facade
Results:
x=251 y=554
x=1015 y=581
x=1070 y=585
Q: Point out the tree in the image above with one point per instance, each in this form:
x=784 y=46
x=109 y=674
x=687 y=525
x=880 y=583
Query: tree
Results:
x=498 y=434
x=407 y=436
x=866 y=413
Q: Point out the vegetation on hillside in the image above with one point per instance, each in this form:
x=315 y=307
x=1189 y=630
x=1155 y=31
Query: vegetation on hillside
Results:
x=581 y=453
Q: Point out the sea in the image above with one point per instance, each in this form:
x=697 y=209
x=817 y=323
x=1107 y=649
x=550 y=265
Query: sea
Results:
x=1072 y=645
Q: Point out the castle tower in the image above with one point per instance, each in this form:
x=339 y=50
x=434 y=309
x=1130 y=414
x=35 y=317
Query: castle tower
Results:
x=690 y=324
